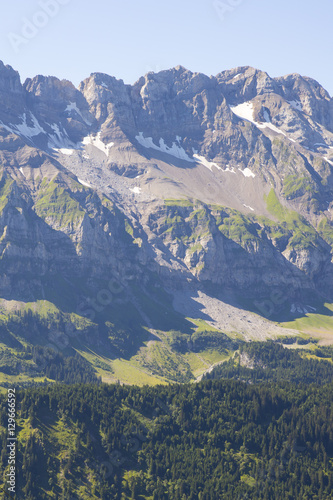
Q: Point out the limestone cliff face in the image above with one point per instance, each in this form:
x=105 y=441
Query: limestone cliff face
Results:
x=222 y=180
x=11 y=94
x=219 y=247
x=58 y=102
x=232 y=119
x=59 y=231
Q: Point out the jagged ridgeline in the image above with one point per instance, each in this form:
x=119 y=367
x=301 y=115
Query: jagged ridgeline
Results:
x=153 y=228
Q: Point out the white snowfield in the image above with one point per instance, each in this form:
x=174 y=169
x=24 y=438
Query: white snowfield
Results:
x=59 y=140
x=177 y=151
x=270 y=125
x=296 y=104
x=248 y=206
x=231 y=170
x=24 y=129
x=329 y=161
x=62 y=144
x=135 y=190
x=297 y=308
x=245 y=111
x=84 y=183
x=206 y=163
x=98 y=143
x=73 y=107
x=65 y=151
x=247 y=172
x=29 y=130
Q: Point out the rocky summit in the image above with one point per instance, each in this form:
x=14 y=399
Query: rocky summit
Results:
x=145 y=215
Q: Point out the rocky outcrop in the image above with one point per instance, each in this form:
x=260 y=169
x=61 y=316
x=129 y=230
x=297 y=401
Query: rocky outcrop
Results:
x=91 y=178
x=58 y=102
x=11 y=94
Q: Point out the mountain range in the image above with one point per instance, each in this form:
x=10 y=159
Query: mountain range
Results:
x=149 y=227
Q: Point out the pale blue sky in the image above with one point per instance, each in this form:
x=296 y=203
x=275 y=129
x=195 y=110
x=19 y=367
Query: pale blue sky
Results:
x=128 y=38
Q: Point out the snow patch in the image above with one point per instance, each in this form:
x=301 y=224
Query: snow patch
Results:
x=247 y=172
x=6 y=128
x=90 y=140
x=65 y=151
x=135 y=190
x=27 y=130
x=175 y=150
x=270 y=125
x=84 y=183
x=236 y=76
x=329 y=161
x=73 y=107
x=206 y=163
x=298 y=308
x=247 y=206
x=59 y=140
x=21 y=170
x=24 y=129
x=296 y=105
x=245 y=111
x=231 y=170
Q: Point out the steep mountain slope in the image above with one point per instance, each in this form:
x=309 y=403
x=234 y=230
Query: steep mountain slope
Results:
x=133 y=207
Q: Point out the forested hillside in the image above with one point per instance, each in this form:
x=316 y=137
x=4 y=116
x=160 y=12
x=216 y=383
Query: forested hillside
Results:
x=271 y=361
x=207 y=441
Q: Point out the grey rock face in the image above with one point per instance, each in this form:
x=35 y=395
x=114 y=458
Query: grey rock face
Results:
x=52 y=101
x=11 y=94
x=88 y=175
x=10 y=82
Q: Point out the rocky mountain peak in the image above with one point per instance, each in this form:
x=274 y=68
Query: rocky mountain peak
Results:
x=50 y=87
x=11 y=94
x=210 y=184
x=100 y=87
x=245 y=83
x=108 y=98
x=9 y=79
x=309 y=96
